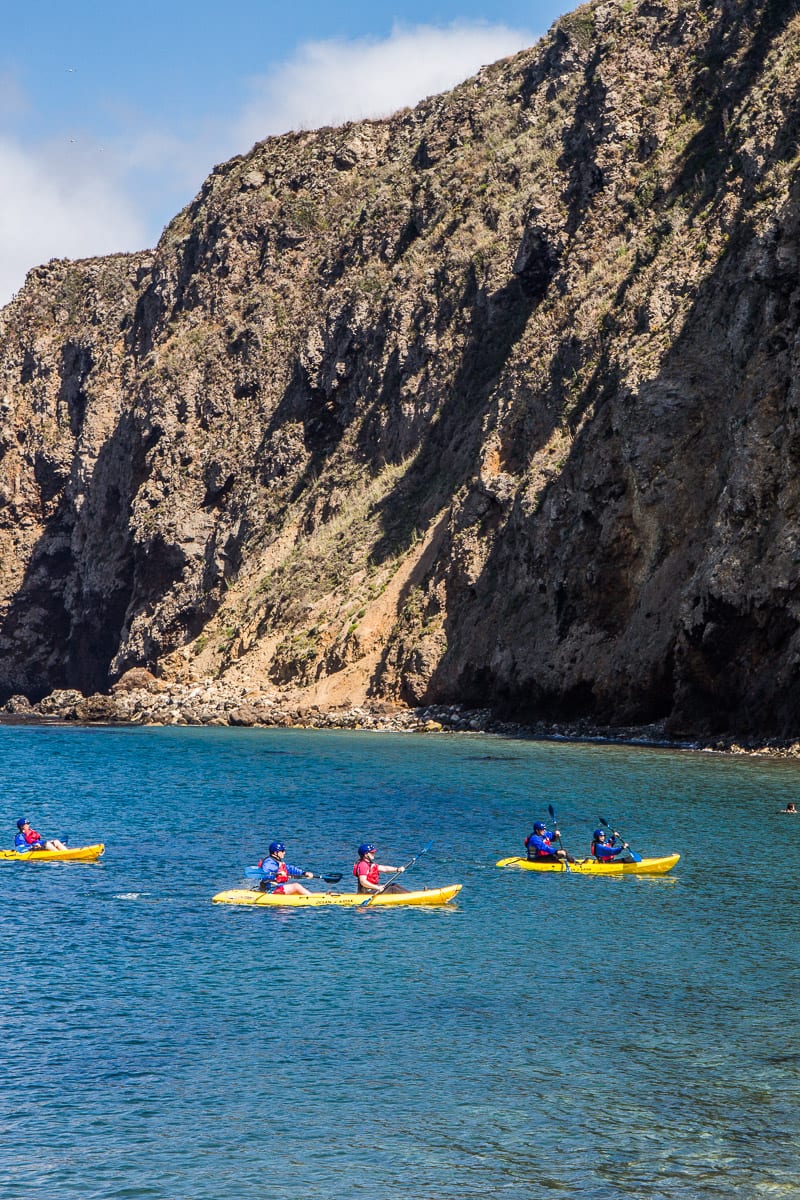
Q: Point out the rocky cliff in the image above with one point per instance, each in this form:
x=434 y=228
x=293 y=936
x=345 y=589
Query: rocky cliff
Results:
x=495 y=402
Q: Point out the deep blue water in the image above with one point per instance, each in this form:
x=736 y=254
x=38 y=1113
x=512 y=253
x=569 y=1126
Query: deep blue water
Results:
x=557 y=1036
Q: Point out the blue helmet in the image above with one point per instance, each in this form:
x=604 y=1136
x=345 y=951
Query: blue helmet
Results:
x=366 y=848
x=538 y=827
x=599 y=833
x=276 y=847
x=22 y=821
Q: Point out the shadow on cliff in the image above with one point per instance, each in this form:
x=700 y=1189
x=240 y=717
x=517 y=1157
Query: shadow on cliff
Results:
x=721 y=81
x=558 y=650
x=536 y=637
x=445 y=450
x=449 y=455
x=720 y=85
x=64 y=625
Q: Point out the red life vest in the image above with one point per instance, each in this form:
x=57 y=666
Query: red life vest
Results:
x=372 y=874
x=281 y=875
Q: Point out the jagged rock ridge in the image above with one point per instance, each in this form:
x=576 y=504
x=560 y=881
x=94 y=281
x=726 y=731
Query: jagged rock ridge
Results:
x=492 y=402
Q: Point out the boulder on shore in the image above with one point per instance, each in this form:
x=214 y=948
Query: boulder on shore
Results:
x=137 y=679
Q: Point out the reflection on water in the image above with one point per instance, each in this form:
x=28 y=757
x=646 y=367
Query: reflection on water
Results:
x=562 y=1035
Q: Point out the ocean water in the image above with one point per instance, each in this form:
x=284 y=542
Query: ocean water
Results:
x=547 y=1036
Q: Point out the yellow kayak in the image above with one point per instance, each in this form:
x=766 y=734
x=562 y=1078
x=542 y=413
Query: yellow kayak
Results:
x=590 y=866
x=346 y=900
x=71 y=854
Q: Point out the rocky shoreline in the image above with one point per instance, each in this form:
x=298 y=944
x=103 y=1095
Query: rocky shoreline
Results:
x=139 y=698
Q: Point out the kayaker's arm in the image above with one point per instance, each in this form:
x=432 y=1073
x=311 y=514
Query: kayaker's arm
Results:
x=604 y=853
x=542 y=847
x=366 y=886
x=299 y=873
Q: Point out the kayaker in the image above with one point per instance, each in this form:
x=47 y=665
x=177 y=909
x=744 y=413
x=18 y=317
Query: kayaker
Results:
x=277 y=873
x=539 y=845
x=606 y=849
x=28 y=839
x=368 y=872
x=790 y=808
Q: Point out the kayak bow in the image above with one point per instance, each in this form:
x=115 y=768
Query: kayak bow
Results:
x=590 y=866
x=427 y=896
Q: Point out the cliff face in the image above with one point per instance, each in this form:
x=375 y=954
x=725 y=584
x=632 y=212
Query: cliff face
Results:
x=496 y=401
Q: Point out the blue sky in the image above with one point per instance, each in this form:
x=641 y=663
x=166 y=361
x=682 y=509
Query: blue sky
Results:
x=111 y=116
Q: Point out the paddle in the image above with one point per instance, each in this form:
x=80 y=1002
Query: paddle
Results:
x=636 y=857
x=392 y=878
x=552 y=812
x=257 y=873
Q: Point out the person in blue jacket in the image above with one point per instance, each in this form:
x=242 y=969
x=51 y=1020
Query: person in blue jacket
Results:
x=28 y=839
x=276 y=873
x=539 y=845
x=605 y=848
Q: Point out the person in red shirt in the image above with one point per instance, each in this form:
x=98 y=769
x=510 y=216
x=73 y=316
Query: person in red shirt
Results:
x=367 y=871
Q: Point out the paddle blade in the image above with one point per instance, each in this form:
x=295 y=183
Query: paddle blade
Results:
x=254 y=873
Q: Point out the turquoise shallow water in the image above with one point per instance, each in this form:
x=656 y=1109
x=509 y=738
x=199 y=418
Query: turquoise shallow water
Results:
x=554 y=1036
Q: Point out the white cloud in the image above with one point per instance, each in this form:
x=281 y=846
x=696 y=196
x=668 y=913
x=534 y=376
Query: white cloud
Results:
x=328 y=83
x=75 y=198
x=59 y=203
